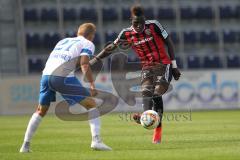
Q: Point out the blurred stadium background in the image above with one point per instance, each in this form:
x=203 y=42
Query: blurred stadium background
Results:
x=206 y=34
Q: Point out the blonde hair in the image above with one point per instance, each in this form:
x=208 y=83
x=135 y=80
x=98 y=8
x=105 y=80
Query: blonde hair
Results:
x=86 y=29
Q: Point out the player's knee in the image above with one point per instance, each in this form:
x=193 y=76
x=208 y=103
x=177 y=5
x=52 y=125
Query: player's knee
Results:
x=161 y=89
x=42 y=110
x=88 y=103
x=91 y=105
x=147 y=91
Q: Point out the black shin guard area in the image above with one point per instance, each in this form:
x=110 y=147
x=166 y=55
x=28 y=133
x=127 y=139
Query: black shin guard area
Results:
x=147 y=99
x=158 y=107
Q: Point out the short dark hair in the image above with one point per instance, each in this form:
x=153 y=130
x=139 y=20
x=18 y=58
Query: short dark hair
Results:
x=137 y=10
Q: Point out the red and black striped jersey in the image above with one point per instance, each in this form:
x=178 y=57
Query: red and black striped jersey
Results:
x=148 y=45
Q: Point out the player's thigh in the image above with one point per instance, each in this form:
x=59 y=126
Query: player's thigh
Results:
x=74 y=92
x=46 y=95
x=162 y=84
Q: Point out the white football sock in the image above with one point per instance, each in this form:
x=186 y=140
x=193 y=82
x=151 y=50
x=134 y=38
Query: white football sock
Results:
x=32 y=127
x=94 y=122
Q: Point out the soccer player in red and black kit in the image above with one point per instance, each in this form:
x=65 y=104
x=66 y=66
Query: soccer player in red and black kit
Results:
x=148 y=39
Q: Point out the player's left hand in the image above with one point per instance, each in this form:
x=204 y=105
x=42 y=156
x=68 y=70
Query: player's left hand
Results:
x=176 y=73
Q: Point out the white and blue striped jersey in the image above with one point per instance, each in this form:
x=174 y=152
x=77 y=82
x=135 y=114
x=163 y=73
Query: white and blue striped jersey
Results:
x=64 y=57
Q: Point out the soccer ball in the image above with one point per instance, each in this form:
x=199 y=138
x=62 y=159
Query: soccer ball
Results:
x=150 y=119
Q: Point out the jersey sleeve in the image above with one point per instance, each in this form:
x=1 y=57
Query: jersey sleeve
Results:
x=159 y=29
x=121 y=37
x=88 y=50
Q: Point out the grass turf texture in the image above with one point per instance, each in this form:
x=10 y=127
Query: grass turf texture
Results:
x=208 y=135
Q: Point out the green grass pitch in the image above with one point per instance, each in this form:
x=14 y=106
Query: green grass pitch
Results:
x=205 y=135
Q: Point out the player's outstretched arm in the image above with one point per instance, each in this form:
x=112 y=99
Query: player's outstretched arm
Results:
x=108 y=50
x=167 y=39
x=175 y=71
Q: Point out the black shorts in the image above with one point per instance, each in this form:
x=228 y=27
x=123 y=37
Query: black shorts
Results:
x=158 y=74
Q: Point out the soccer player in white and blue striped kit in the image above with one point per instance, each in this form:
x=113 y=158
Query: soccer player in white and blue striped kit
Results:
x=67 y=54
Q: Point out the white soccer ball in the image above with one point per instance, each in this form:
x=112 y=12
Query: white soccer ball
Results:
x=150 y=119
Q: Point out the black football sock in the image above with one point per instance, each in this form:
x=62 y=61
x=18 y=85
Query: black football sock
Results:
x=158 y=107
x=147 y=100
x=147 y=103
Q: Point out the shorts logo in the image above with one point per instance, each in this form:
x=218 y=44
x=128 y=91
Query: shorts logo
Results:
x=159 y=78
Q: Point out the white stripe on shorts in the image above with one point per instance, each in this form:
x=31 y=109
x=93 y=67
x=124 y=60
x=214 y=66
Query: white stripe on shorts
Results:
x=167 y=73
